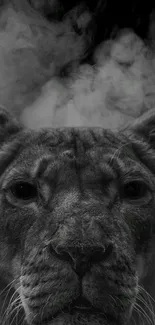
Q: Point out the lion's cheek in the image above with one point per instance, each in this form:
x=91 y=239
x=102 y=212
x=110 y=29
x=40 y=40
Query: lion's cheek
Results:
x=48 y=290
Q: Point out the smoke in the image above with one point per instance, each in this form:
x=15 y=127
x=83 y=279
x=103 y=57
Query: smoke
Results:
x=32 y=51
x=119 y=87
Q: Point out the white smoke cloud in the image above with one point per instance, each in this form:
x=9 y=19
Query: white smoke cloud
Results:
x=118 y=88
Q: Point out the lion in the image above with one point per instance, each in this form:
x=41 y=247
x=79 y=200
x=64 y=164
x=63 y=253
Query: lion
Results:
x=77 y=224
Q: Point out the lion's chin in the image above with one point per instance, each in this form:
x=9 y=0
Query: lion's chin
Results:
x=80 y=318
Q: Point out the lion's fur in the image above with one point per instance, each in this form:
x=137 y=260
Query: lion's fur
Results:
x=79 y=173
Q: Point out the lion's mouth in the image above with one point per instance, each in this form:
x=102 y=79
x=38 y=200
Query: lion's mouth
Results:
x=81 y=304
x=78 y=306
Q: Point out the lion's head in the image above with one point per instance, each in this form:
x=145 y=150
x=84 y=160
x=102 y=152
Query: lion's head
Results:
x=77 y=222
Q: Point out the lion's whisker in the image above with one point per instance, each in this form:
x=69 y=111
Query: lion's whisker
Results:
x=143 y=313
x=6 y=297
x=11 y=306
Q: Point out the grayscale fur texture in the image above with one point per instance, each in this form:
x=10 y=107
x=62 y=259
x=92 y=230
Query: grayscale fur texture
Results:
x=77 y=221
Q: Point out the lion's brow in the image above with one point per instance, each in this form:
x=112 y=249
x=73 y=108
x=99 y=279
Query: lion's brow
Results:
x=88 y=137
x=40 y=166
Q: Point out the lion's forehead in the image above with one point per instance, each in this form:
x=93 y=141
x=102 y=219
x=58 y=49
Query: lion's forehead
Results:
x=86 y=151
x=76 y=138
x=73 y=155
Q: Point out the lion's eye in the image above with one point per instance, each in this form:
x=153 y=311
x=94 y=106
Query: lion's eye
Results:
x=134 y=190
x=24 y=191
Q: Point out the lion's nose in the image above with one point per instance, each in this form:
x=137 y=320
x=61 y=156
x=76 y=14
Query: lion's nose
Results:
x=83 y=257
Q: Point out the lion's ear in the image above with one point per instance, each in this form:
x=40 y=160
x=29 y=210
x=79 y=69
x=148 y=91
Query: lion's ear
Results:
x=10 y=129
x=145 y=127
x=9 y=126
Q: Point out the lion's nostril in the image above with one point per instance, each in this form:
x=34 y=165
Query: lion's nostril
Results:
x=64 y=255
x=101 y=254
x=61 y=252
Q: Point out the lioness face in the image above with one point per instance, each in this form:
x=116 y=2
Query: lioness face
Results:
x=76 y=223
